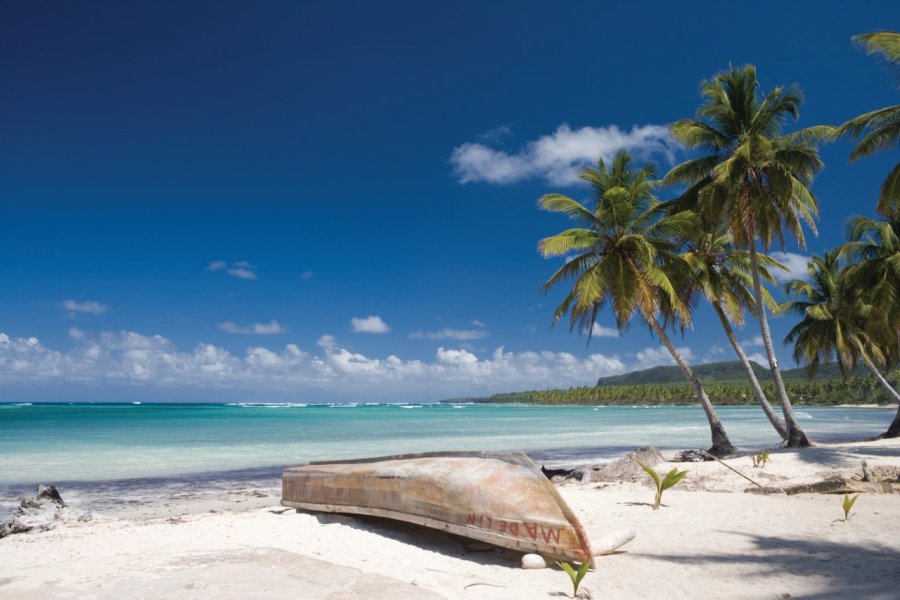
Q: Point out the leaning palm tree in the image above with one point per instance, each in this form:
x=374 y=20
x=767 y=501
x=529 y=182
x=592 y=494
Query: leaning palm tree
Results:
x=879 y=129
x=874 y=252
x=754 y=179
x=621 y=252
x=837 y=321
x=720 y=273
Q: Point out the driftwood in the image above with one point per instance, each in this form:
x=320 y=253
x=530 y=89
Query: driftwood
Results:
x=829 y=486
x=726 y=465
x=37 y=513
x=623 y=469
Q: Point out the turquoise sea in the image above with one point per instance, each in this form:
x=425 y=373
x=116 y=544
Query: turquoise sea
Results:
x=115 y=447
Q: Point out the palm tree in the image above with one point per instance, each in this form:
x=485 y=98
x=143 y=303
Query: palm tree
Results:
x=622 y=249
x=879 y=129
x=752 y=178
x=874 y=251
x=837 y=321
x=720 y=272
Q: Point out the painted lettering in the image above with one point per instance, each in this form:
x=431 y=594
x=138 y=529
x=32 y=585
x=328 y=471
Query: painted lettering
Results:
x=531 y=529
x=551 y=533
x=470 y=520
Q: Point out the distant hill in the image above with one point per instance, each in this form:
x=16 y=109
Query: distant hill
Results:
x=716 y=372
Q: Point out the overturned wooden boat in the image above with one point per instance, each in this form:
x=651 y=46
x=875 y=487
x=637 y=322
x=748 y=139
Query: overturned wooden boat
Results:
x=498 y=498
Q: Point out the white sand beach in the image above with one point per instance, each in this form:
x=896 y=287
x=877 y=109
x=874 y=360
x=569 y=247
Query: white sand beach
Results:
x=710 y=539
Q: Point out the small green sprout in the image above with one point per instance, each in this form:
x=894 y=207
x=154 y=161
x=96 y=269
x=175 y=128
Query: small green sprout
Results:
x=848 y=505
x=671 y=478
x=760 y=460
x=575 y=576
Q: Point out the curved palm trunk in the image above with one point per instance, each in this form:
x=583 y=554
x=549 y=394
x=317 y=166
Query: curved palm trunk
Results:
x=894 y=429
x=721 y=444
x=777 y=423
x=796 y=438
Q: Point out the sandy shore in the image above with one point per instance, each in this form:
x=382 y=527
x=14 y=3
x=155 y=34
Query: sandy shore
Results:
x=709 y=540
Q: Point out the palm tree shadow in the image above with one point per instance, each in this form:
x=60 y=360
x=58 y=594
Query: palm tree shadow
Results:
x=840 y=457
x=838 y=570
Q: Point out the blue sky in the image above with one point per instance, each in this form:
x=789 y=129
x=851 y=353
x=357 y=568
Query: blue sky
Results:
x=337 y=201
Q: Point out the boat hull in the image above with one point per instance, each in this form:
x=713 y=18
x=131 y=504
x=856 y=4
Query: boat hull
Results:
x=501 y=499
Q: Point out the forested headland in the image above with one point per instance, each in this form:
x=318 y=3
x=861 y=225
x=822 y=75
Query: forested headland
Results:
x=660 y=386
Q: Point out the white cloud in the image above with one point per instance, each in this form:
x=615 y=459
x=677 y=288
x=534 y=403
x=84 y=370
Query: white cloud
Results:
x=759 y=358
x=242 y=273
x=449 y=334
x=270 y=328
x=655 y=357
x=307 y=275
x=559 y=156
x=371 y=324
x=88 y=306
x=755 y=341
x=598 y=330
x=477 y=323
x=131 y=358
x=715 y=349
x=795 y=263
x=241 y=269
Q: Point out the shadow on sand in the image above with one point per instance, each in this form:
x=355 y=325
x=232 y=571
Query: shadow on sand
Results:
x=842 y=457
x=446 y=544
x=836 y=570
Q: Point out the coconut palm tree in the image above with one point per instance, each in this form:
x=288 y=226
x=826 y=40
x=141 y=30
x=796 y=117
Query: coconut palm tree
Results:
x=879 y=129
x=620 y=254
x=754 y=179
x=837 y=321
x=874 y=252
x=720 y=273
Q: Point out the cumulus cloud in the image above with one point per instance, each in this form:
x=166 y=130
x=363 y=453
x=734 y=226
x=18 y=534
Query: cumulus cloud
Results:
x=90 y=307
x=307 y=275
x=131 y=358
x=795 y=263
x=716 y=349
x=559 y=156
x=371 y=324
x=241 y=269
x=755 y=341
x=655 y=357
x=598 y=330
x=449 y=334
x=270 y=328
x=759 y=358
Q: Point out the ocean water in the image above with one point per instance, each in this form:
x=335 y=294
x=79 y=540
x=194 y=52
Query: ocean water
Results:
x=119 y=448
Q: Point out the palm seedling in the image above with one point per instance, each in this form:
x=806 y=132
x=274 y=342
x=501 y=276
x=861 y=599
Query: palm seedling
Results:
x=575 y=576
x=760 y=460
x=664 y=483
x=847 y=505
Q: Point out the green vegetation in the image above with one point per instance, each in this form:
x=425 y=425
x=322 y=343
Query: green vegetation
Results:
x=761 y=460
x=721 y=372
x=575 y=576
x=624 y=254
x=746 y=187
x=664 y=483
x=847 y=505
x=856 y=389
x=878 y=129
